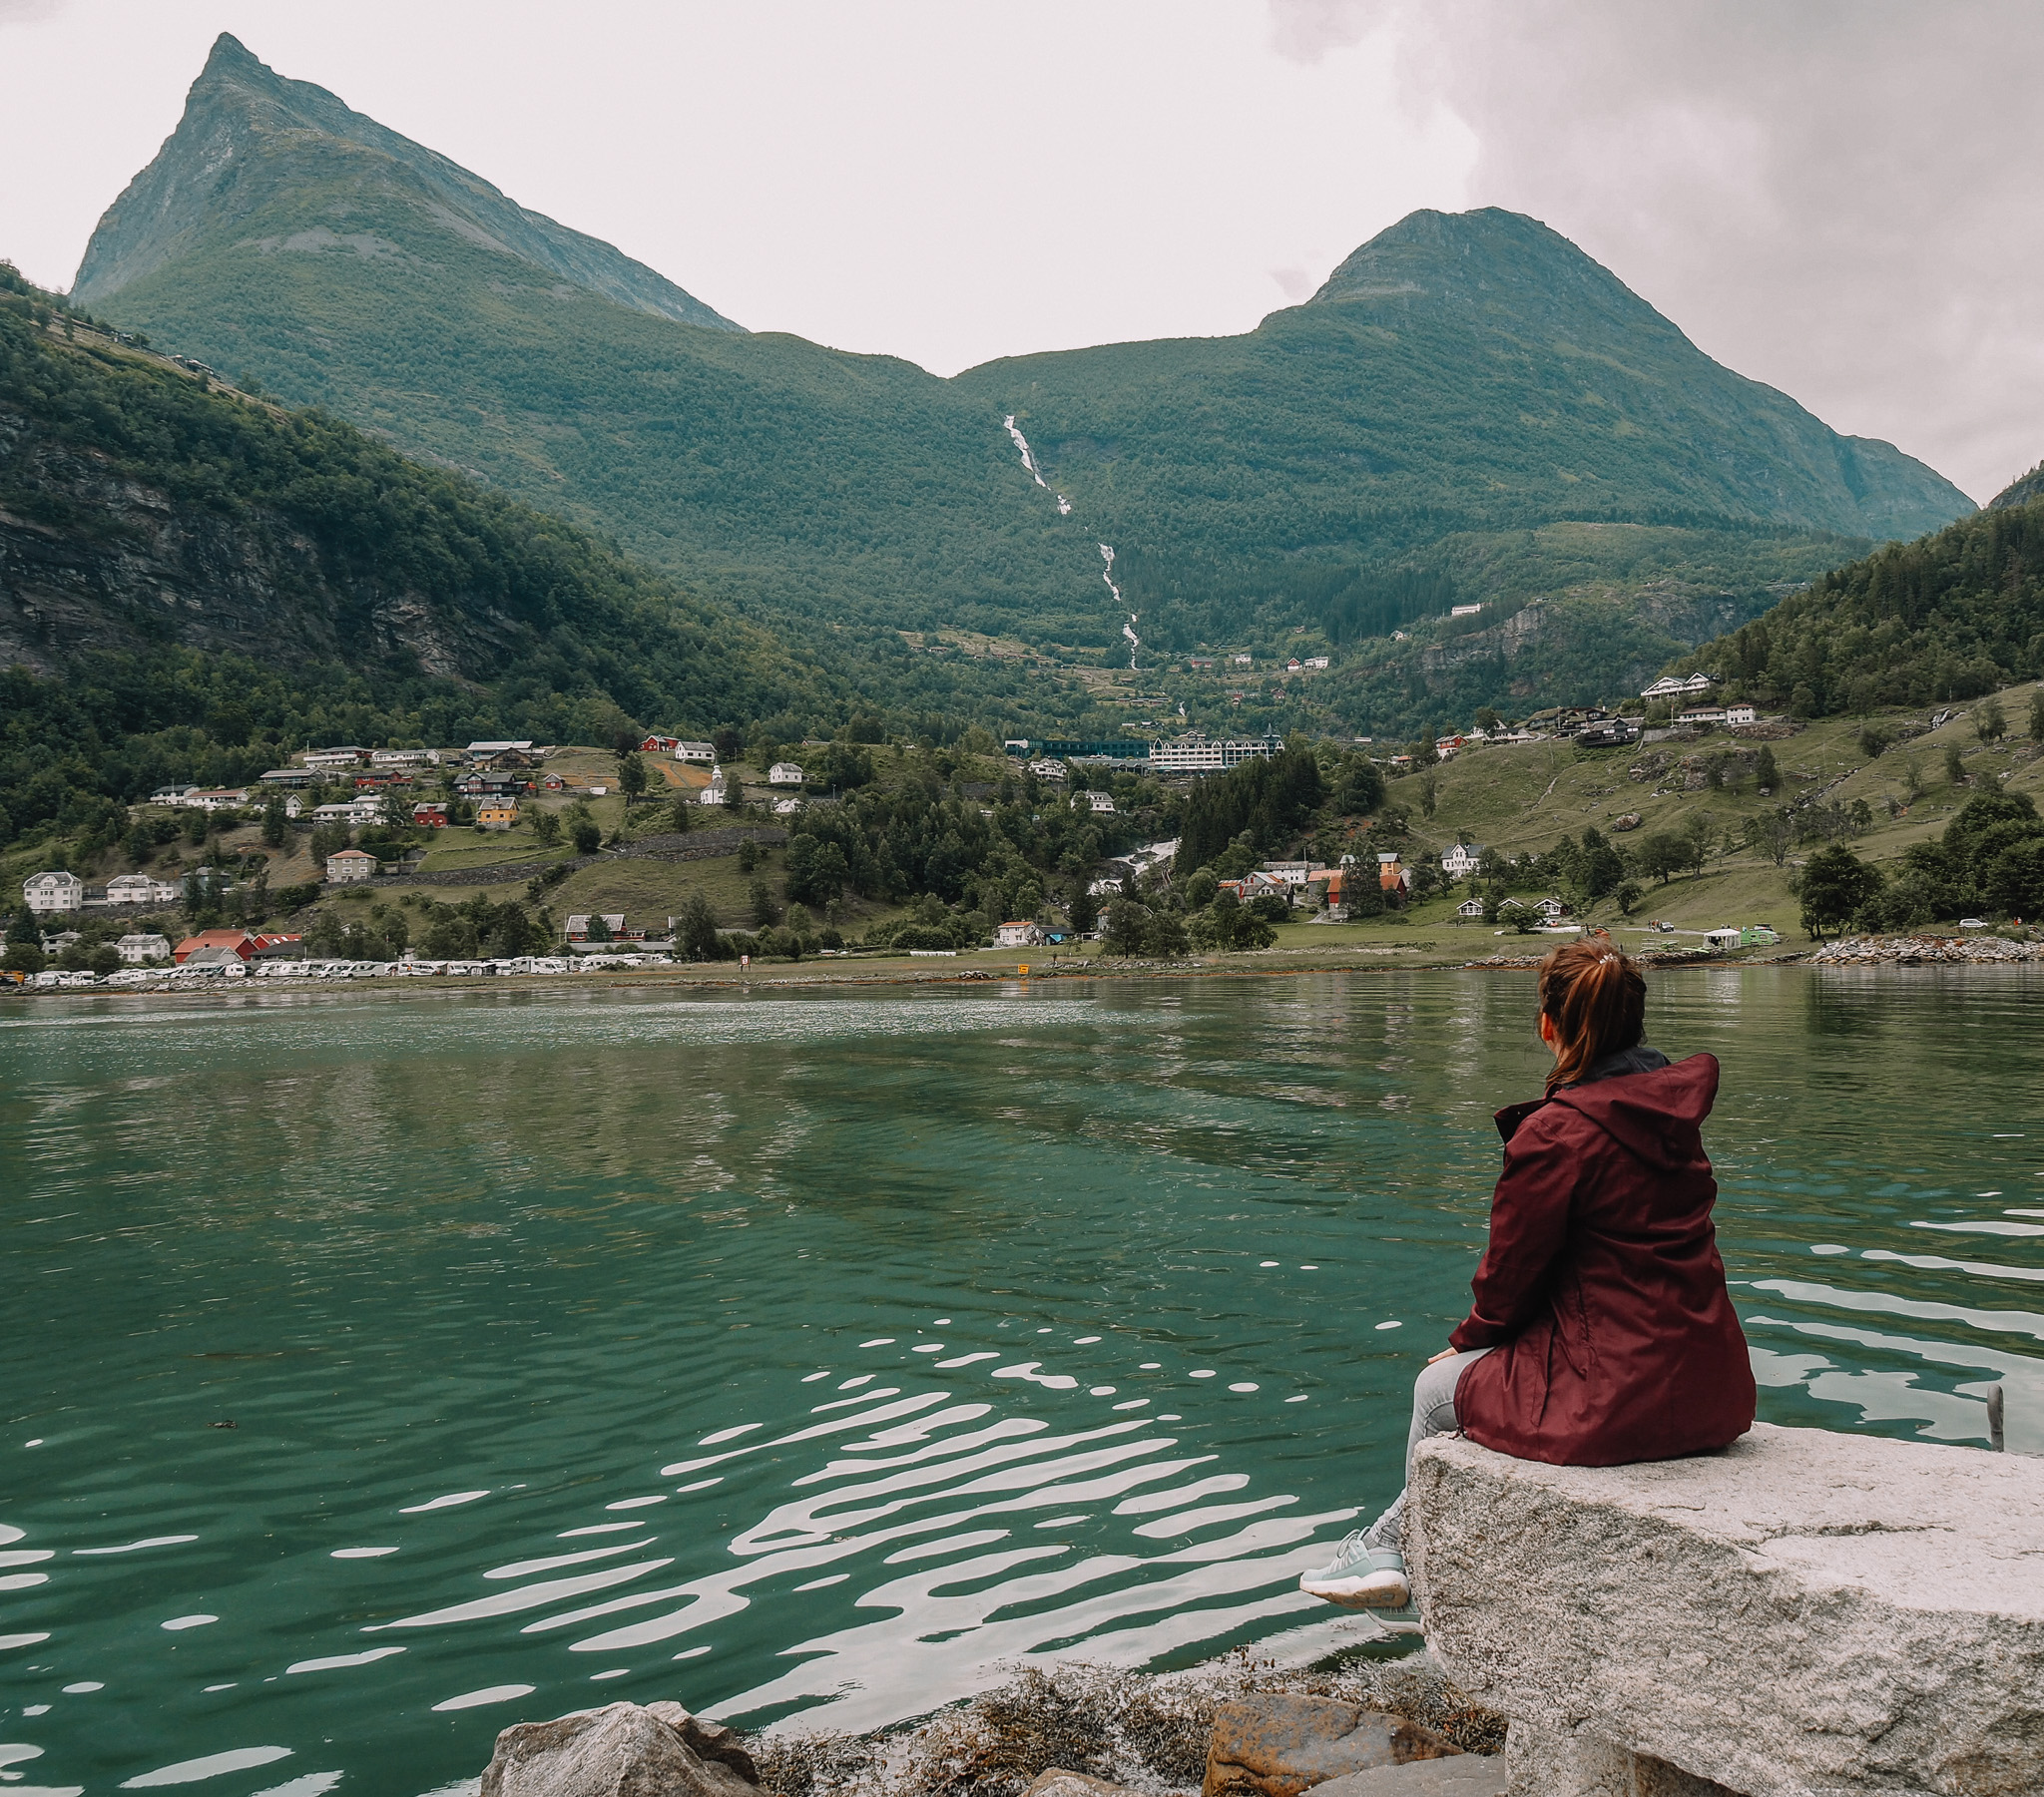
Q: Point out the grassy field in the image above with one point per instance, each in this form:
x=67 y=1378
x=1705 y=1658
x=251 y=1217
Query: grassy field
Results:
x=1524 y=798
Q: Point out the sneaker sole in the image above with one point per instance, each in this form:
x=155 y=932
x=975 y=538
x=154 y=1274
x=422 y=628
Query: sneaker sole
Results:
x=1374 y=1593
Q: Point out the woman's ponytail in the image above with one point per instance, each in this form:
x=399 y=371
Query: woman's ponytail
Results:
x=1596 y=996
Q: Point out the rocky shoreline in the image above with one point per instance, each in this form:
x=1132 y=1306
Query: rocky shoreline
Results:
x=1238 y=1726
x=1916 y=951
x=1683 y=957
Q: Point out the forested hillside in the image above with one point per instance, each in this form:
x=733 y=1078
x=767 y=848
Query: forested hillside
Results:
x=194 y=583
x=1404 y=441
x=1473 y=373
x=1950 y=616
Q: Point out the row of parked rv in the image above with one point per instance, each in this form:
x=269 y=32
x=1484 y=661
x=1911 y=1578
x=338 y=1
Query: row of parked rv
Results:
x=164 y=978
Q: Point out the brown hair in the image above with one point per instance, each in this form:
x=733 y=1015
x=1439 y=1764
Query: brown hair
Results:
x=1597 y=998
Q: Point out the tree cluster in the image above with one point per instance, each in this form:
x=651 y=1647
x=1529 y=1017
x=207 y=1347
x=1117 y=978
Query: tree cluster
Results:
x=1950 y=616
x=1989 y=861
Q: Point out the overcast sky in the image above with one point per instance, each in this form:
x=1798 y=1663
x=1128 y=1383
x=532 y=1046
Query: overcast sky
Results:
x=1836 y=197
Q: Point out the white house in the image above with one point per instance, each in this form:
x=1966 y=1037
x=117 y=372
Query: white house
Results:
x=714 y=793
x=785 y=773
x=1294 y=873
x=1195 y=753
x=348 y=865
x=349 y=811
x=1552 y=910
x=216 y=798
x=405 y=757
x=169 y=795
x=140 y=951
x=787 y=807
x=1667 y=687
x=1100 y=802
x=1741 y=715
x=485 y=751
x=1047 y=769
x=334 y=758
x=1699 y=714
x=1019 y=936
x=703 y=752
x=50 y=893
x=1317 y=662
x=139 y=889
x=1260 y=884
x=1462 y=860
x=1469 y=907
x=1464 y=610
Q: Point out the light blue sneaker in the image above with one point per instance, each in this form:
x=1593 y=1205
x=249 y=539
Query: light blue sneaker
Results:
x=1402 y=1620
x=1360 y=1578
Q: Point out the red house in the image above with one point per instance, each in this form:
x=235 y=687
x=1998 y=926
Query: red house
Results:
x=242 y=942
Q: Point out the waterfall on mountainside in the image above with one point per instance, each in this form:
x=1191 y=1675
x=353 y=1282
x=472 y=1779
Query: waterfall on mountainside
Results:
x=1128 y=628
x=1029 y=462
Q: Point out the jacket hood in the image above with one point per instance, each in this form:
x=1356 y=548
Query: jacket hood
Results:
x=1658 y=1115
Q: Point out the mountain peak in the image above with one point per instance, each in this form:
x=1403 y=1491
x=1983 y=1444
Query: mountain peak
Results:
x=1491 y=262
x=229 y=53
x=255 y=145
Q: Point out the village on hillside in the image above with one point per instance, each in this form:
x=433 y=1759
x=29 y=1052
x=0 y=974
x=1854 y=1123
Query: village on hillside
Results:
x=513 y=857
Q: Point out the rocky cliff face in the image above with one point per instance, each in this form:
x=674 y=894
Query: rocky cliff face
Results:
x=2020 y=491
x=249 y=134
x=94 y=559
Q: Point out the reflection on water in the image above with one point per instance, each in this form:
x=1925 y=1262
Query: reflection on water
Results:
x=391 y=1369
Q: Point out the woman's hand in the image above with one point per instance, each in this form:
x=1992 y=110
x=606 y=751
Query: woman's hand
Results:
x=1444 y=1354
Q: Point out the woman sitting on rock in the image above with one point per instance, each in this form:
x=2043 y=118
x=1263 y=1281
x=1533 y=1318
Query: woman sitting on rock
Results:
x=1601 y=1331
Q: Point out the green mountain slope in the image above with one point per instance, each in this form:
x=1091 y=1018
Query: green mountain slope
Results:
x=219 y=178
x=1475 y=373
x=193 y=583
x=1477 y=366
x=282 y=236
x=1953 y=615
x=1353 y=465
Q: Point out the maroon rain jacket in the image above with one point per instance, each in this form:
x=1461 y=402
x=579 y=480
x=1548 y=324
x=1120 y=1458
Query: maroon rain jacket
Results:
x=1601 y=1293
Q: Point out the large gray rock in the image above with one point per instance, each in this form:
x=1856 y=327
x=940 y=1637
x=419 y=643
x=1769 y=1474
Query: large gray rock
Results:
x=1557 y=1764
x=620 y=1750
x=1801 y=1616
x=1466 y=1775
x=1277 y=1745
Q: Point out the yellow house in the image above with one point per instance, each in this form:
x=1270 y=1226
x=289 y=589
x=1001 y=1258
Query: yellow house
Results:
x=496 y=814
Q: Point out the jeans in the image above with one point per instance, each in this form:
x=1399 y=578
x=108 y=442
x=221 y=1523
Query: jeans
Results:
x=1433 y=1413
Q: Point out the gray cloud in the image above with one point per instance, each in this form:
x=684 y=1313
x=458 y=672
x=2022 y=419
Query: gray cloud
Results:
x=1834 y=196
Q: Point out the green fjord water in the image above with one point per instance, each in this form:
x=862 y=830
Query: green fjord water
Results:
x=806 y=1356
